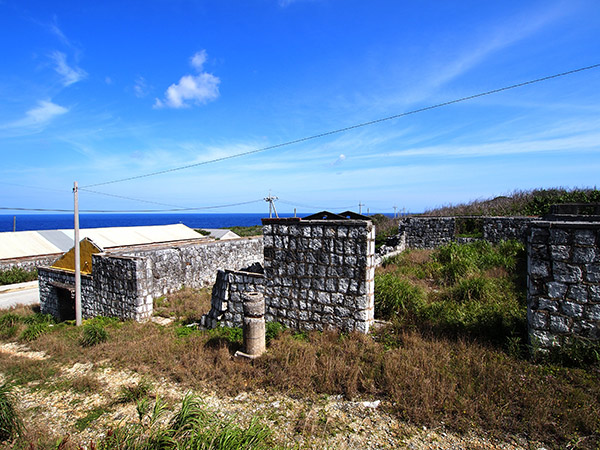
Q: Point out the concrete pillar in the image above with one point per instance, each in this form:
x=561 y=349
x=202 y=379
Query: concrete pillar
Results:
x=254 y=325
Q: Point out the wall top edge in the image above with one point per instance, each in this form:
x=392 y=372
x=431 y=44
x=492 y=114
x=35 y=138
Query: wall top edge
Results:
x=570 y=224
x=63 y=271
x=298 y=221
x=532 y=218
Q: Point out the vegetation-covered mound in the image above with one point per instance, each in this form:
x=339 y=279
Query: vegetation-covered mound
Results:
x=536 y=202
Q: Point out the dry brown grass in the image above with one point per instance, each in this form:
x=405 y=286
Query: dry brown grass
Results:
x=426 y=379
x=186 y=304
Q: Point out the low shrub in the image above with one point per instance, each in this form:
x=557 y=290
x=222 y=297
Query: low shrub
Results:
x=93 y=333
x=17 y=275
x=480 y=294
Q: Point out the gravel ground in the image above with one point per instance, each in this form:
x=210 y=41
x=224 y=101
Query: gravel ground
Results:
x=328 y=423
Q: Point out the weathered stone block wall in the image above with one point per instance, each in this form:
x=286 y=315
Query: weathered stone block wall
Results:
x=120 y=288
x=563 y=282
x=497 y=229
x=124 y=284
x=49 y=293
x=194 y=265
x=226 y=301
x=28 y=263
x=319 y=273
x=432 y=232
x=427 y=232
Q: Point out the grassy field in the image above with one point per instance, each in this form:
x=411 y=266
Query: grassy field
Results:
x=452 y=354
x=535 y=202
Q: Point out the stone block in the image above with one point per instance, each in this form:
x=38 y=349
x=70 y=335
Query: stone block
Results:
x=362 y=326
x=539 y=235
x=572 y=309
x=594 y=292
x=538 y=268
x=592 y=312
x=548 y=305
x=566 y=273
x=578 y=293
x=560 y=324
x=560 y=252
x=558 y=236
x=592 y=273
x=556 y=290
x=585 y=237
x=584 y=255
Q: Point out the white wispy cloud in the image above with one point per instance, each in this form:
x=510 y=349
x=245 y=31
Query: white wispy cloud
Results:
x=285 y=3
x=43 y=113
x=70 y=74
x=452 y=60
x=192 y=89
x=54 y=29
x=140 y=87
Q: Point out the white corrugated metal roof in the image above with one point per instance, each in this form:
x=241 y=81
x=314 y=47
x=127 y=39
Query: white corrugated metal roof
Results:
x=20 y=244
x=33 y=243
x=219 y=233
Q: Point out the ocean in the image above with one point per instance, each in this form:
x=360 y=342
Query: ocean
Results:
x=26 y=222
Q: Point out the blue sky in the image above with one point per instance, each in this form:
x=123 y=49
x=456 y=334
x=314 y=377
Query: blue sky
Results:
x=99 y=91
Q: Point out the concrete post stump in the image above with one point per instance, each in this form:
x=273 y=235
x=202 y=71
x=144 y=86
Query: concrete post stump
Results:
x=254 y=325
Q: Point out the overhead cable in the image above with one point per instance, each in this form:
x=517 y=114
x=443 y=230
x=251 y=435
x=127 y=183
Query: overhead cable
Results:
x=352 y=127
x=200 y=208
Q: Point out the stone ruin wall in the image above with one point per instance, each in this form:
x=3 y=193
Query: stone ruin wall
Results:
x=432 y=232
x=48 y=277
x=227 y=302
x=193 y=265
x=563 y=260
x=28 y=264
x=124 y=285
x=563 y=292
x=319 y=273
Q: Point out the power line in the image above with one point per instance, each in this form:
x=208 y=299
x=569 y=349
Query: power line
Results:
x=352 y=127
x=200 y=208
x=131 y=198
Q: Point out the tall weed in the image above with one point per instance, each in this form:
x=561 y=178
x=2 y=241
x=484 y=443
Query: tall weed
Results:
x=11 y=425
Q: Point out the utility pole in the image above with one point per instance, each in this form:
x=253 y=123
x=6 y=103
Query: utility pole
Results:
x=77 y=256
x=271 y=201
x=14 y=223
x=360 y=205
x=395 y=208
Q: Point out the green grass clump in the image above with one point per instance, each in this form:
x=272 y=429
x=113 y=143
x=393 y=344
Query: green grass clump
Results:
x=17 y=275
x=396 y=295
x=11 y=425
x=133 y=393
x=192 y=427
x=93 y=333
x=272 y=331
x=34 y=331
x=231 y=335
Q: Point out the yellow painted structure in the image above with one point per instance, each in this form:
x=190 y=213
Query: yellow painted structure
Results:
x=86 y=249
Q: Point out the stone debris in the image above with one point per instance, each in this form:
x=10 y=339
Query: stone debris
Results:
x=12 y=348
